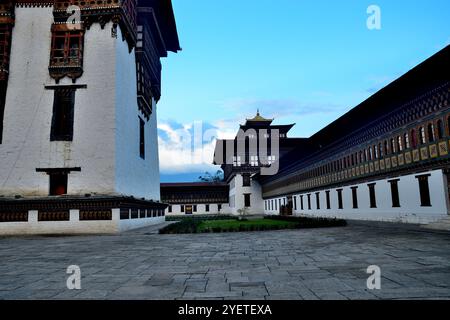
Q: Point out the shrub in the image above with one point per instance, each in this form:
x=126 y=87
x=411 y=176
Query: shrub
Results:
x=311 y=222
x=184 y=226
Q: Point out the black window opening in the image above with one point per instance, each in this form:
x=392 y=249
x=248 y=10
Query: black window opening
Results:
x=395 y=194
x=327 y=193
x=182 y=208
x=265 y=205
x=207 y=208
x=309 y=201
x=219 y=207
x=301 y=202
x=170 y=209
x=63 y=115
x=424 y=189
x=295 y=202
x=58 y=183
x=355 y=197
x=141 y=138
x=3 y=86
x=247 y=203
x=340 y=202
x=318 y=200
x=372 y=196
x=194 y=208
x=246 y=180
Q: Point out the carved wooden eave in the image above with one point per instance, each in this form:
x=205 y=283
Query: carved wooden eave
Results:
x=121 y=12
x=33 y=3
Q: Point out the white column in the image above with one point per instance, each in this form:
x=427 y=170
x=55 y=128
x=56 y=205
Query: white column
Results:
x=74 y=215
x=32 y=216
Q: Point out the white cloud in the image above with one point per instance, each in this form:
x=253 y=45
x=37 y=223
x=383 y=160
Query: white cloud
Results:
x=190 y=148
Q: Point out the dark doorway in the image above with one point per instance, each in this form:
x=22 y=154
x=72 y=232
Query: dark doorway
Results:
x=58 y=184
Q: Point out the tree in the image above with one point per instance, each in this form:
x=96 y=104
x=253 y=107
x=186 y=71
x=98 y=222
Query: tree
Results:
x=243 y=213
x=208 y=177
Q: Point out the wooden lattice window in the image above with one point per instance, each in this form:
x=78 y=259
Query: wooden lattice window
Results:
x=5 y=37
x=67 y=48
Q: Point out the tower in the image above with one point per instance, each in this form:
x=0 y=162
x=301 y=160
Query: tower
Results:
x=79 y=84
x=258 y=145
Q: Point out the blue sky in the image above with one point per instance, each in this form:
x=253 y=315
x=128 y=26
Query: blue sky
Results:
x=298 y=61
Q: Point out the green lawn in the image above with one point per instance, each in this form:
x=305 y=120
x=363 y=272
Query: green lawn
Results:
x=232 y=224
x=236 y=225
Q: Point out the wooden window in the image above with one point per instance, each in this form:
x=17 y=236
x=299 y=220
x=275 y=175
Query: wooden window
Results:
x=246 y=181
x=406 y=141
x=422 y=135
x=413 y=139
x=395 y=194
x=372 y=196
x=448 y=125
x=5 y=40
x=386 y=148
x=340 y=201
x=327 y=194
x=63 y=115
x=3 y=85
x=355 y=197
x=399 y=144
x=318 y=200
x=440 y=129
x=67 y=48
x=431 y=135
x=424 y=189
x=247 y=203
x=141 y=138
x=380 y=149
x=392 y=146
x=58 y=184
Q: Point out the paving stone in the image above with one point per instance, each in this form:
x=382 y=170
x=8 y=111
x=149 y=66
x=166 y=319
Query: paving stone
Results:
x=310 y=264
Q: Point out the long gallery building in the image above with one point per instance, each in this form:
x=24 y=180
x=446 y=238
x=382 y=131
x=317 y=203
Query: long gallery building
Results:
x=387 y=159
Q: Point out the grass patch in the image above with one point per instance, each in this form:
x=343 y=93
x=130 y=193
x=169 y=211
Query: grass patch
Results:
x=234 y=225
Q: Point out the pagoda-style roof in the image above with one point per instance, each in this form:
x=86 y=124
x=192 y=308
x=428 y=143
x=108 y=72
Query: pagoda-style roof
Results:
x=258 y=119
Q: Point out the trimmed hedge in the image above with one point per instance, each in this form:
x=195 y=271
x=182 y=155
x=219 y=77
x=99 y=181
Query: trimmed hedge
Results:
x=201 y=217
x=311 y=222
x=184 y=226
x=189 y=225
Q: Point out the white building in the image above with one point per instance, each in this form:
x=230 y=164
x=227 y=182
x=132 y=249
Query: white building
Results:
x=78 y=111
x=385 y=160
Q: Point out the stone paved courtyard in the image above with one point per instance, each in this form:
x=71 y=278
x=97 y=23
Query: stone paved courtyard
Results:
x=299 y=264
